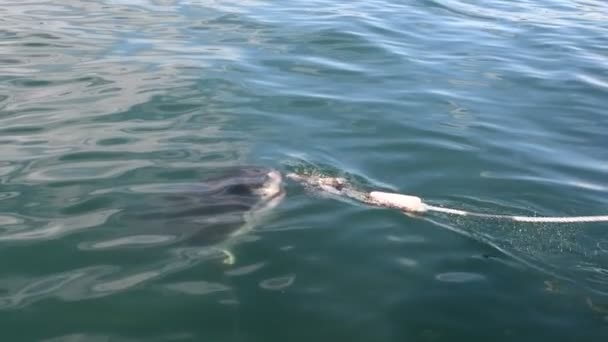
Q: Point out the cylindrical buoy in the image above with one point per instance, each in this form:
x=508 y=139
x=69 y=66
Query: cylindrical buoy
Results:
x=403 y=202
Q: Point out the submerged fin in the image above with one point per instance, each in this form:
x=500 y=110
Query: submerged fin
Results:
x=230 y=258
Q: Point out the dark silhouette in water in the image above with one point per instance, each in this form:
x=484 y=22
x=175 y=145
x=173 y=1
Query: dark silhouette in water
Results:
x=213 y=211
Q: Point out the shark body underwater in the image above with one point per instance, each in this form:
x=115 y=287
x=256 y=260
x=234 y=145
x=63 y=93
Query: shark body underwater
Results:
x=213 y=212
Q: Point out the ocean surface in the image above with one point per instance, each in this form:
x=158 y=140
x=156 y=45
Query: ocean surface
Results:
x=494 y=106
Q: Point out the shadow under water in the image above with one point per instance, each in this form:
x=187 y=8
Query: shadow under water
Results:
x=208 y=213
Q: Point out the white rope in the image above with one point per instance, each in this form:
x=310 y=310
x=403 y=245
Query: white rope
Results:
x=531 y=219
x=414 y=204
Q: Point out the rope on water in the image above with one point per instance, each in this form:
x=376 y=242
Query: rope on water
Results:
x=532 y=219
x=414 y=204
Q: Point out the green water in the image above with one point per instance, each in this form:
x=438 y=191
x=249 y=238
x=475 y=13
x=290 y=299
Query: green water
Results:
x=494 y=106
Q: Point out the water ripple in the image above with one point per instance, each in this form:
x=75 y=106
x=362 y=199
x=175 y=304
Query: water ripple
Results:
x=130 y=241
x=74 y=285
x=459 y=277
x=109 y=107
x=56 y=228
x=278 y=283
x=244 y=270
x=197 y=288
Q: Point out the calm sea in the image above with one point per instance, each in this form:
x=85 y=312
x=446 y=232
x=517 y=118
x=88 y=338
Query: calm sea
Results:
x=494 y=106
